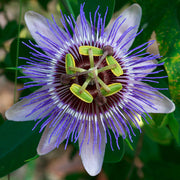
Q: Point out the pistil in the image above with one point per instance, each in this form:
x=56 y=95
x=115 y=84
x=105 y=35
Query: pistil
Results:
x=92 y=77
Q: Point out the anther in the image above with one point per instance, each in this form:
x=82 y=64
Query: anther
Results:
x=100 y=99
x=109 y=50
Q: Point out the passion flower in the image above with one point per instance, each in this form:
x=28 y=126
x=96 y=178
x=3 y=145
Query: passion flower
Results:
x=89 y=82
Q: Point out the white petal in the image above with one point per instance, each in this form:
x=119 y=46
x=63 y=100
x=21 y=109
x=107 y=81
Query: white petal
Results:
x=44 y=145
x=50 y=139
x=38 y=23
x=162 y=104
x=18 y=111
x=78 y=28
x=133 y=16
x=47 y=142
x=92 y=160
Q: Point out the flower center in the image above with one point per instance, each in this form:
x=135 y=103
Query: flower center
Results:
x=90 y=75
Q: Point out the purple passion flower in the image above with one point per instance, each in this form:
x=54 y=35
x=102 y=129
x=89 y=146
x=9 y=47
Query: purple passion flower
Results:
x=89 y=81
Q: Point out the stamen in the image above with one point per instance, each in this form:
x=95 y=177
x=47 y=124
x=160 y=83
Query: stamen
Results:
x=85 y=85
x=100 y=99
x=102 y=58
x=114 y=88
x=84 y=50
x=69 y=62
x=96 y=82
x=116 y=71
x=104 y=86
x=91 y=58
x=111 y=66
x=92 y=74
x=107 y=51
x=84 y=96
x=76 y=69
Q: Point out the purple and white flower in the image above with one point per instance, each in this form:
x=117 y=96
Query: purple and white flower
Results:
x=89 y=82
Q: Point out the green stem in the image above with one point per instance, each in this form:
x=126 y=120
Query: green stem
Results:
x=129 y=144
x=17 y=54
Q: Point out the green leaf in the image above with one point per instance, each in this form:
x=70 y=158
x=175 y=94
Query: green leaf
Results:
x=173 y=126
x=119 y=4
x=10 y=60
x=10 y=31
x=171 y=49
x=157 y=129
x=151 y=18
x=24 y=51
x=1 y=119
x=159 y=120
x=150 y=150
x=160 y=135
x=18 y=143
x=117 y=154
x=161 y=170
x=103 y=4
x=9 y=73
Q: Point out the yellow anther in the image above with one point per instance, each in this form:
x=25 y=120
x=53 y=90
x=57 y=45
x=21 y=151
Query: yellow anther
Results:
x=114 y=88
x=84 y=96
x=69 y=62
x=117 y=71
x=84 y=50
